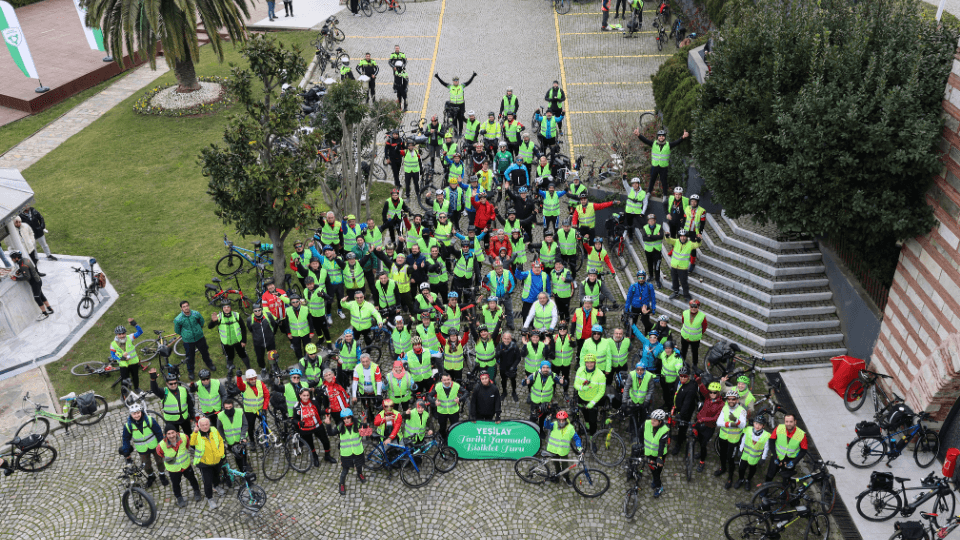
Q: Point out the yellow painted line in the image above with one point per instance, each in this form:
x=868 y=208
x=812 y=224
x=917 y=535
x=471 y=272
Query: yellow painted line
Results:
x=586 y=145
x=635 y=56
x=433 y=61
x=563 y=79
x=391 y=37
x=605 y=112
x=618 y=82
x=607 y=33
x=374 y=58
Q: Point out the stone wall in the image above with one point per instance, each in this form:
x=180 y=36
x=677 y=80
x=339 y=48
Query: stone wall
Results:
x=919 y=340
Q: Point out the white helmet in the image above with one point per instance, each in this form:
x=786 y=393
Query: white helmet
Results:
x=658 y=415
x=250 y=374
x=678 y=189
x=732 y=393
x=136 y=407
x=635 y=180
x=398 y=63
x=471 y=113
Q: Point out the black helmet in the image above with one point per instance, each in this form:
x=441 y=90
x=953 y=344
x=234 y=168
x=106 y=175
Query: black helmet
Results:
x=669 y=344
x=662 y=132
x=172 y=377
x=204 y=374
x=16 y=255
x=120 y=330
x=226 y=303
x=684 y=370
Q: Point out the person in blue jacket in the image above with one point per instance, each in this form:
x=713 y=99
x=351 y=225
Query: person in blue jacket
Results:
x=516 y=174
x=142 y=433
x=538 y=282
x=650 y=349
x=642 y=301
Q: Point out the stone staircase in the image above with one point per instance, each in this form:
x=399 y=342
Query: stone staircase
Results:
x=769 y=296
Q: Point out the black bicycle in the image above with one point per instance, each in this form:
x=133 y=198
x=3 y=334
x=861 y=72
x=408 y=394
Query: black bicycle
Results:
x=867 y=382
x=868 y=449
x=752 y=522
x=634 y=468
x=30 y=453
x=819 y=487
x=881 y=501
x=91 y=290
x=138 y=505
x=916 y=530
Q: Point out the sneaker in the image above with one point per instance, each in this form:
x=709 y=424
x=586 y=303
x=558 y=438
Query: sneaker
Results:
x=516 y=398
x=362 y=478
x=213 y=369
x=197 y=497
x=152 y=479
x=739 y=483
x=340 y=313
x=50 y=310
x=181 y=502
x=41 y=274
x=7 y=471
x=604 y=28
x=43 y=315
x=718 y=472
x=343 y=489
x=220 y=491
x=51 y=258
x=727 y=485
x=746 y=485
x=211 y=504
x=192 y=376
x=674 y=296
x=163 y=480
x=700 y=467
x=329 y=320
x=657 y=492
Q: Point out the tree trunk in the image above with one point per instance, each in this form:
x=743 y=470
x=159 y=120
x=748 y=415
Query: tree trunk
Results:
x=279 y=258
x=186 y=75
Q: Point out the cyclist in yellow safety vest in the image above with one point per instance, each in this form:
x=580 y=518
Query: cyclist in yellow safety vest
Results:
x=141 y=434
x=747 y=399
x=415 y=423
x=351 y=445
x=753 y=450
x=233 y=333
x=457 y=101
x=591 y=385
x=693 y=325
x=175 y=403
x=636 y=198
x=732 y=421
x=659 y=156
x=680 y=252
x=362 y=315
x=543 y=385
x=560 y=434
x=174 y=449
x=551 y=207
x=791 y=446
x=491 y=133
x=123 y=351
x=585 y=216
x=652 y=236
x=210 y=394
x=656 y=438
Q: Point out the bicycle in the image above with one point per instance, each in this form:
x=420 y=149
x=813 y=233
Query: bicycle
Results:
x=216 y=295
x=232 y=262
x=932 y=527
x=689 y=457
x=147 y=350
x=251 y=496
x=881 y=501
x=678 y=31
x=416 y=469
x=263 y=433
x=660 y=25
x=289 y=452
x=30 y=454
x=867 y=451
x=762 y=525
x=396 y=6
x=610 y=451
x=445 y=458
x=131 y=397
x=790 y=492
x=854 y=396
x=726 y=365
x=634 y=477
x=91 y=290
x=94 y=367
x=137 y=504
x=589 y=483
x=562 y=7
x=91 y=408
x=618 y=246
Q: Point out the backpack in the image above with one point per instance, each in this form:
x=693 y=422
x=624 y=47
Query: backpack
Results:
x=86 y=403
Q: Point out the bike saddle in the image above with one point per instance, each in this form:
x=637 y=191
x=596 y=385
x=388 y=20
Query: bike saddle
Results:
x=212 y=287
x=898 y=479
x=158 y=332
x=216 y=280
x=68 y=397
x=929 y=515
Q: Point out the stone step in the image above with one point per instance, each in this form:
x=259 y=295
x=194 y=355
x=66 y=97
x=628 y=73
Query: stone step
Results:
x=732 y=300
x=714 y=268
x=740 y=228
x=726 y=236
x=751 y=260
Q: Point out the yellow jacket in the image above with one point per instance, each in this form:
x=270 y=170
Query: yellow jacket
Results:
x=207 y=450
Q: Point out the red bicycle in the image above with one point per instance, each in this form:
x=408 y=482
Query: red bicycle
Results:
x=216 y=294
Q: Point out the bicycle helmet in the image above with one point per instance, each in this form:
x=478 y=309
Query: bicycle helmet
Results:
x=583 y=195
x=669 y=344
x=398 y=63
x=273 y=356
x=493 y=299
x=662 y=132
x=424 y=286
x=663 y=318
x=678 y=189
x=760 y=419
x=683 y=232
x=714 y=387
x=308 y=280
x=250 y=374
x=136 y=407
x=346 y=413
x=694 y=197
x=350 y=255
x=120 y=330
x=483 y=328
x=545 y=363
x=640 y=365
x=684 y=370
x=597 y=239
x=587 y=299
x=635 y=180
x=511 y=210
x=325 y=248
x=590 y=358
x=597 y=329
x=226 y=303
x=388 y=402
x=744 y=379
x=453 y=294
x=658 y=414
x=502 y=144
x=16 y=255
x=641 y=274
x=732 y=393
x=204 y=374
x=442 y=215
x=295 y=371
x=695 y=303
x=296 y=296
x=440 y=192
x=526 y=135
x=311 y=348
x=523 y=189
x=172 y=377
x=652 y=216
x=562 y=415
x=653 y=333
x=470 y=113
x=491 y=113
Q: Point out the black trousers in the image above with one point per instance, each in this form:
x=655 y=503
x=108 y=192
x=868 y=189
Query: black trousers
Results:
x=563 y=371
x=347 y=463
x=704 y=432
x=287 y=10
x=694 y=347
x=145 y=458
x=253 y=420
x=321 y=328
x=132 y=373
x=38 y=296
x=211 y=477
x=618 y=10
x=605 y=15
x=748 y=470
x=591 y=416
x=446 y=421
x=775 y=468
x=395 y=168
x=667 y=389
x=354 y=6
x=504 y=377
x=655 y=473
x=459 y=118
x=407 y=176
x=658 y=173
x=680 y=281
x=653 y=265
x=727 y=461
x=191 y=477
x=261 y=353
x=236 y=350
x=563 y=307
x=191 y=350
x=320 y=433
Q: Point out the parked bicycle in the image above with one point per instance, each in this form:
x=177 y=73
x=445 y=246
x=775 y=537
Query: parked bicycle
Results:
x=251 y=496
x=661 y=27
x=881 y=501
x=162 y=346
x=916 y=530
x=416 y=469
x=867 y=382
x=216 y=295
x=678 y=31
x=634 y=467
x=396 y=6
x=137 y=504
x=232 y=262
x=30 y=453
x=86 y=409
x=444 y=457
x=871 y=445
x=91 y=290
x=562 y=7
x=588 y=482
x=723 y=358
x=289 y=452
x=767 y=525
x=817 y=487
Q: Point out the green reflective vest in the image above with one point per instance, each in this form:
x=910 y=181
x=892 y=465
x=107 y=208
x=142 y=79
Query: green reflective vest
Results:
x=788 y=448
x=509 y=104
x=209 y=399
x=731 y=434
x=350 y=235
x=449 y=149
x=561 y=287
x=363 y=316
x=401 y=341
x=312 y=369
x=512 y=131
x=660 y=155
x=470 y=128
x=600 y=350
x=542 y=172
x=640 y=389
x=456 y=94
x=253 y=403
x=126 y=349
x=419 y=365
x=597 y=384
x=230 y=328
x=348 y=355
x=446 y=397
x=176 y=461
x=443 y=233
x=353 y=277
x=548 y=127
x=299 y=321
x=526 y=151
x=329 y=234
x=596 y=260
x=548 y=253
x=400 y=277
x=558 y=442
x=491 y=130
x=563 y=351
x=567 y=240
x=543 y=315
x=350 y=443
x=680 y=258
x=586 y=215
x=393 y=211
x=416 y=426
x=428 y=337
x=592 y=289
x=656 y=245
x=692 y=329
x=400 y=390
x=651 y=440
x=542 y=391
x=411 y=162
x=174 y=408
x=551 y=204
x=453 y=359
x=143 y=439
x=753 y=449
x=486 y=353
x=315 y=302
x=453 y=319
x=334 y=272
x=290 y=397
x=464 y=267
x=635 y=201
x=619 y=352
x=232 y=427
x=671 y=365
x=533 y=355
x=580 y=315
x=491 y=318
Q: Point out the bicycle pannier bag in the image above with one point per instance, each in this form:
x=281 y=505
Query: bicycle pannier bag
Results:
x=719 y=353
x=880 y=480
x=900 y=416
x=86 y=403
x=868 y=429
x=910 y=530
x=30 y=441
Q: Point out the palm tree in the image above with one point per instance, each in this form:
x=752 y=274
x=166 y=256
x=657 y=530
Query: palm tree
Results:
x=140 y=24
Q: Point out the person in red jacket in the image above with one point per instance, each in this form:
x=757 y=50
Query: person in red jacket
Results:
x=338 y=396
x=789 y=431
x=308 y=416
x=275 y=300
x=388 y=422
x=586 y=212
x=258 y=388
x=706 y=421
x=598 y=245
x=499 y=240
x=486 y=212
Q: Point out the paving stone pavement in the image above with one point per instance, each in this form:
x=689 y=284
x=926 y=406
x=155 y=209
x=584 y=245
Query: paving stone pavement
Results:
x=34 y=148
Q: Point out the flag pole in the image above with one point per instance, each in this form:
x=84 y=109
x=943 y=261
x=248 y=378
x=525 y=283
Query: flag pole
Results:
x=42 y=88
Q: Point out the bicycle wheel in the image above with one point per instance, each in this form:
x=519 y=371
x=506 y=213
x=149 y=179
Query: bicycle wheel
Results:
x=581 y=256
x=630 y=501
x=380 y=6
x=853 y=396
x=899 y=536
x=35 y=426
x=620 y=260
x=772 y=497
x=417 y=471
x=229 y=264
x=945 y=503
x=878 y=505
x=298 y=453
x=338 y=34
x=660 y=38
x=828 y=494
x=446 y=459
x=139 y=506
x=865 y=452
x=610 y=448
x=85 y=307
x=146 y=351
x=531 y=470
x=377 y=172
x=96 y=416
x=591 y=483
x=36 y=459
x=690 y=458
x=562 y=6
x=817 y=528
x=746 y=525
x=376 y=459
x=86 y=368
x=275 y=462
x=178 y=348
x=925 y=452
x=252 y=496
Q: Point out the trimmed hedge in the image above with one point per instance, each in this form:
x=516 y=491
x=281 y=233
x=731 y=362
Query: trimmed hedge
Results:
x=22 y=3
x=676 y=91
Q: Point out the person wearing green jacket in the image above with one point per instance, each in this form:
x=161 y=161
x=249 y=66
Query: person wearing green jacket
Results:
x=670 y=364
x=189 y=325
x=680 y=252
x=362 y=315
x=591 y=385
x=502 y=161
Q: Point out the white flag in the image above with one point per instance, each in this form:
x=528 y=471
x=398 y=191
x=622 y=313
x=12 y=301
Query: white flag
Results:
x=94 y=35
x=16 y=41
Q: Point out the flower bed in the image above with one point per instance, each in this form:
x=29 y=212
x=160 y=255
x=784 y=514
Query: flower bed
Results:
x=163 y=101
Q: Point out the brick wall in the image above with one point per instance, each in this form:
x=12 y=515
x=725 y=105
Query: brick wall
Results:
x=919 y=340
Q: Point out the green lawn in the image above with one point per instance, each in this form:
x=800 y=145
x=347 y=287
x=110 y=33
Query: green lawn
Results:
x=14 y=132
x=128 y=191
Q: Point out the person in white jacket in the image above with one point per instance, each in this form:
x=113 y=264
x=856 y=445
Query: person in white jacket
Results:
x=27 y=240
x=754 y=447
x=541 y=312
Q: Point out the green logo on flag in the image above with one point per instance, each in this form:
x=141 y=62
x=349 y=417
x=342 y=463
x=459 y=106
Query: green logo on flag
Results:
x=13 y=36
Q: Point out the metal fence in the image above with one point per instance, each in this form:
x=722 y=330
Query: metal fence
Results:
x=877 y=290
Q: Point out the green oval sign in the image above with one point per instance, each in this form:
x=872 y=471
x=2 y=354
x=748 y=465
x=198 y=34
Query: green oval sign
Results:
x=510 y=439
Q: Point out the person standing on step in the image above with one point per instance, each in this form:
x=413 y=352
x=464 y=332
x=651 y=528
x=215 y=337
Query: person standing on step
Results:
x=659 y=155
x=680 y=253
x=271 y=7
x=233 y=333
x=189 y=325
x=635 y=199
x=142 y=434
x=457 y=99
x=35 y=220
x=652 y=236
x=694 y=220
x=693 y=326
